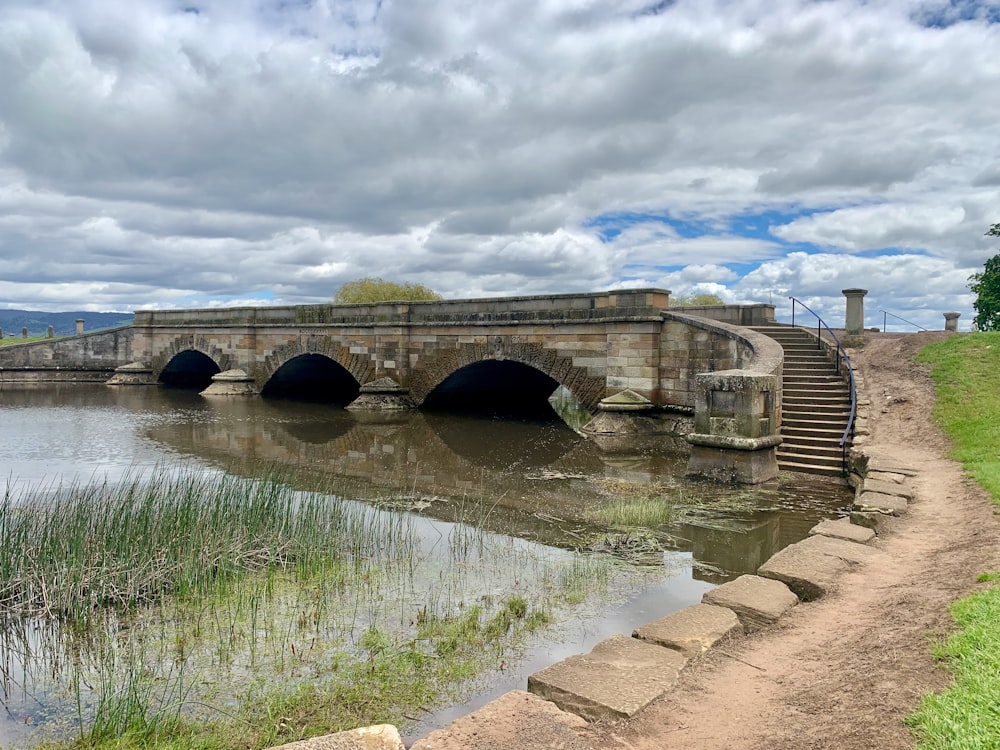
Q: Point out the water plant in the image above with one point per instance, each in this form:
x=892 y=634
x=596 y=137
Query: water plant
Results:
x=184 y=608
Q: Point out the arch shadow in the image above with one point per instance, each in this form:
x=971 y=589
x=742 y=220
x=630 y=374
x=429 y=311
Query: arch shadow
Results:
x=312 y=377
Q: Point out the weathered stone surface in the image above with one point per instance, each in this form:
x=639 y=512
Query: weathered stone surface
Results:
x=810 y=568
x=886 y=488
x=881 y=463
x=620 y=676
x=809 y=572
x=693 y=630
x=879 y=502
x=880 y=523
x=134 y=373
x=233 y=382
x=756 y=601
x=887 y=476
x=848 y=551
x=381 y=737
x=514 y=720
x=842 y=528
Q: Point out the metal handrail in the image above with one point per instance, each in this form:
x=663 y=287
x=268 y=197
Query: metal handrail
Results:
x=908 y=322
x=841 y=352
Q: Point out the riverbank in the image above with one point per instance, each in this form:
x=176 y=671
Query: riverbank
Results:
x=847 y=670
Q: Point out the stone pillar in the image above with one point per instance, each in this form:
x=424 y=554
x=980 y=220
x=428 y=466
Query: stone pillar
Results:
x=855 y=323
x=1 y=333
x=735 y=427
x=50 y=333
x=951 y=321
x=79 y=327
x=24 y=333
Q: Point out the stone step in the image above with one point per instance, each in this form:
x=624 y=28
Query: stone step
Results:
x=830 y=440
x=620 y=676
x=810 y=468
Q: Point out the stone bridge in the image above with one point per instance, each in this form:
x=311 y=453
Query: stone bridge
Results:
x=625 y=356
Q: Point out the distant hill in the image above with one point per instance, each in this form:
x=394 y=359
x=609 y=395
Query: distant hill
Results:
x=64 y=323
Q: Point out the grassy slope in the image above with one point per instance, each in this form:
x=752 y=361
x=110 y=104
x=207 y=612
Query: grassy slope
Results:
x=966 y=372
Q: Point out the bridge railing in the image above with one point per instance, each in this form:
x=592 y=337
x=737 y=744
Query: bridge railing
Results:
x=841 y=356
x=885 y=321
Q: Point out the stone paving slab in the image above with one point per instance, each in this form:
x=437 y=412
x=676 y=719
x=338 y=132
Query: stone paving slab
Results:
x=693 y=630
x=880 y=523
x=886 y=488
x=850 y=552
x=887 y=476
x=881 y=463
x=516 y=720
x=620 y=676
x=808 y=572
x=879 y=502
x=755 y=600
x=842 y=528
x=381 y=737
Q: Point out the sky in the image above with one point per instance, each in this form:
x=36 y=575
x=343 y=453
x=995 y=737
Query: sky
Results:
x=205 y=153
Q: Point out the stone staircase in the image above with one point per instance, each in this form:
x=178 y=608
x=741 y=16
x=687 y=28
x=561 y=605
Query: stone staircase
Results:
x=815 y=405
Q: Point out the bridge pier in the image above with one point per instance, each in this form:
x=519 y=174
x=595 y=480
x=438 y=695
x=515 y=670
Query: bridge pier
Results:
x=232 y=383
x=627 y=421
x=134 y=373
x=384 y=394
x=736 y=420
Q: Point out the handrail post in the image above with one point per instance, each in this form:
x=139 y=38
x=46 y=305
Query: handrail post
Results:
x=885 y=321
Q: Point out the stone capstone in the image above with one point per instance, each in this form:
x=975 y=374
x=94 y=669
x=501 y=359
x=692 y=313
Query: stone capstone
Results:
x=514 y=720
x=380 y=737
x=693 y=630
x=619 y=677
x=755 y=600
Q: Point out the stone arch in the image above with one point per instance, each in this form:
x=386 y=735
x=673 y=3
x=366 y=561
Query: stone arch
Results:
x=191 y=342
x=360 y=367
x=586 y=388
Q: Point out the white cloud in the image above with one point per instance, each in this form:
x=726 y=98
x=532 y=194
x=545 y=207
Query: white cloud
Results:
x=274 y=150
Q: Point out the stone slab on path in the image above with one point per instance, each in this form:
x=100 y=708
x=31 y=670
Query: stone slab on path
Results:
x=880 y=523
x=887 y=476
x=380 y=737
x=885 y=488
x=848 y=551
x=842 y=528
x=514 y=720
x=880 y=502
x=693 y=630
x=620 y=676
x=882 y=463
x=755 y=600
x=810 y=574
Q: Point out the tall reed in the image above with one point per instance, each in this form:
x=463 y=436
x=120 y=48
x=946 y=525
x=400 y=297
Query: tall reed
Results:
x=67 y=551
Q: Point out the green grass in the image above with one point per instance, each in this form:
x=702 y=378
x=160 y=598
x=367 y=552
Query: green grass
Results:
x=19 y=340
x=966 y=372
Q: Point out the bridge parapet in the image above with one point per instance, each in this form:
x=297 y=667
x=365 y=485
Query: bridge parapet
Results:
x=737 y=411
x=632 y=303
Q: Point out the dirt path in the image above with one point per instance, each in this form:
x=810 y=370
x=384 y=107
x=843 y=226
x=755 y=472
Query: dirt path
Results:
x=844 y=671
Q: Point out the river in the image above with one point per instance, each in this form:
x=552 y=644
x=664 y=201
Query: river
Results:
x=531 y=486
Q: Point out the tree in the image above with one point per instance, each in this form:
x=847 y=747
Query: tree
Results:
x=697 y=299
x=986 y=286
x=377 y=289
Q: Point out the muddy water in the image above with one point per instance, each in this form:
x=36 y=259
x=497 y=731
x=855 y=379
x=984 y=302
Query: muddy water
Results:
x=537 y=483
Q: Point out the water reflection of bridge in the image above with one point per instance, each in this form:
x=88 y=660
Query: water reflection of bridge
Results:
x=533 y=480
